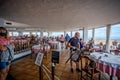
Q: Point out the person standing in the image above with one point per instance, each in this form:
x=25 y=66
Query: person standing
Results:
x=74 y=43
x=81 y=43
x=67 y=38
x=62 y=39
x=6 y=53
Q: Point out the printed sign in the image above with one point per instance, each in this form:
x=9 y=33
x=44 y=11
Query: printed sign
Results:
x=39 y=59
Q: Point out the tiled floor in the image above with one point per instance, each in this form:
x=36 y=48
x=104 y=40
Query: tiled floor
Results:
x=25 y=69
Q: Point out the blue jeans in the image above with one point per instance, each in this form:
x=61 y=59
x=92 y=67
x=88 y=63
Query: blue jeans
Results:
x=4 y=65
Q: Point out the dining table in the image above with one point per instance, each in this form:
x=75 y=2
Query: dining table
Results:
x=107 y=63
x=53 y=44
x=41 y=48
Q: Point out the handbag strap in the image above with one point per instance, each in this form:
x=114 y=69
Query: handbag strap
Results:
x=9 y=53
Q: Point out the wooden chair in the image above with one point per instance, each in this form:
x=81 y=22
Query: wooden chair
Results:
x=88 y=70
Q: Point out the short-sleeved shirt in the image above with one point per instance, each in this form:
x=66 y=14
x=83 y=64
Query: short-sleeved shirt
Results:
x=74 y=42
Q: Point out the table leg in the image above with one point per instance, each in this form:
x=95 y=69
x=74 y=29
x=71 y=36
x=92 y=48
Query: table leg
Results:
x=111 y=77
x=118 y=78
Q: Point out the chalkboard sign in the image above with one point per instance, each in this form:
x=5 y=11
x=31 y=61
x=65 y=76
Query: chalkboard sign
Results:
x=39 y=59
x=55 y=56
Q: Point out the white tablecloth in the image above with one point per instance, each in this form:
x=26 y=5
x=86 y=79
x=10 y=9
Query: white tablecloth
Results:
x=54 y=44
x=39 y=48
x=108 y=63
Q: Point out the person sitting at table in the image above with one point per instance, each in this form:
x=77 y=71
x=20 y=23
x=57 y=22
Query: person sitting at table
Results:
x=87 y=49
x=113 y=47
x=118 y=46
x=62 y=39
x=104 y=48
x=91 y=42
x=101 y=47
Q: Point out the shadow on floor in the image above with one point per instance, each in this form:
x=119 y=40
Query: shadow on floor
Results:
x=10 y=77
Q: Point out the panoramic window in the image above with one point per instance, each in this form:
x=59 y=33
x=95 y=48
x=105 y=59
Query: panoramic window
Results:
x=81 y=34
x=10 y=34
x=89 y=34
x=73 y=33
x=15 y=34
x=69 y=33
x=33 y=33
x=26 y=33
x=115 y=34
x=38 y=33
x=57 y=33
x=80 y=31
x=100 y=35
x=45 y=33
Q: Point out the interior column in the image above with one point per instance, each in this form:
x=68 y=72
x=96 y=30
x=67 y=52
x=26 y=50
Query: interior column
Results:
x=41 y=34
x=108 y=28
x=64 y=33
x=20 y=33
x=93 y=33
x=85 y=34
x=49 y=34
x=71 y=33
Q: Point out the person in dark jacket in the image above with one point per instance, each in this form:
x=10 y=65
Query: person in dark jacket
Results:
x=67 y=38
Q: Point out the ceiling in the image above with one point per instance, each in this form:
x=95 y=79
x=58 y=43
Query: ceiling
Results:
x=61 y=15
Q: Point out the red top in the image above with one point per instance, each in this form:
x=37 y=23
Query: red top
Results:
x=4 y=41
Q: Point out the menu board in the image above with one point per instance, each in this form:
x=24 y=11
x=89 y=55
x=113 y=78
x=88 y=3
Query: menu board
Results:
x=39 y=59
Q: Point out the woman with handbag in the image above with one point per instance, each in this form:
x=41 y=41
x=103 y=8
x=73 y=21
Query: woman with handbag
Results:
x=6 y=53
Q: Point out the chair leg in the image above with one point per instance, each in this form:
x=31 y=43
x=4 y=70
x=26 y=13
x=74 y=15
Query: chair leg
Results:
x=92 y=77
x=99 y=76
x=81 y=75
x=111 y=77
x=118 y=78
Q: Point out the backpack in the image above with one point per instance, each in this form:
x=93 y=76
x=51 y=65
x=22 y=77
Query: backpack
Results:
x=11 y=52
x=76 y=55
x=4 y=56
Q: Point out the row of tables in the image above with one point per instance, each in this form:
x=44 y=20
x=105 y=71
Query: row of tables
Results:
x=107 y=63
x=45 y=48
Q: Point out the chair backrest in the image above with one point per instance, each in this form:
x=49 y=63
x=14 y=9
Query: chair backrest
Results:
x=87 y=62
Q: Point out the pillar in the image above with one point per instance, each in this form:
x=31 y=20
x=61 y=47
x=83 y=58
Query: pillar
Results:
x=30 y=33
x=64 y=33
x=93 y=33
x=41 y=34
x=108 y=28
x=85 y=34
x=71 y=33
x=20 y=33
x=12 y=33
x=49 y=34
